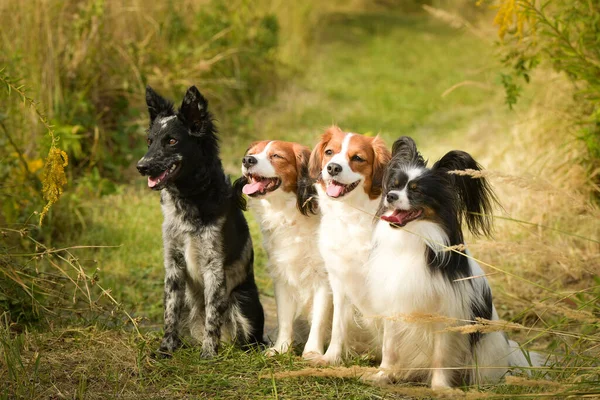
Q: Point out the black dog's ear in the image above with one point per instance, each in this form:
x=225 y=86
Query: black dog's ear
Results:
x=405 y=150
x=156 y=104
x=194 y=110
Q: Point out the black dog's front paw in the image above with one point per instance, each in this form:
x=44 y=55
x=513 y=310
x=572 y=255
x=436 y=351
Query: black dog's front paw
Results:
x=168 y=345
x=161 y=353
x=210 y=349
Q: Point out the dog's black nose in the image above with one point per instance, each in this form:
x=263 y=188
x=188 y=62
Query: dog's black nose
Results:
x=249 y=161
x=391 y=197
x=142 y=167
x=334 y=169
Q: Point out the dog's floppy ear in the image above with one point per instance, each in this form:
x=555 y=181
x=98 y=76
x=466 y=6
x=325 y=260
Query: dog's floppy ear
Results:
x=157 y=104
x=382 y=158
x=316 y=157
x=194 y=110
x=306 y=194
x=404 y=150
x=476 y=198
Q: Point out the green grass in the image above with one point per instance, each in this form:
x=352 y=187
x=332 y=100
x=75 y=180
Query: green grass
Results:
x=368 y=72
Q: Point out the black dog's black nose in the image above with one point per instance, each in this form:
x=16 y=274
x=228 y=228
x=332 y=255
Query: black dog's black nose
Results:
x=391 y=197
x=248 y=161
x=142 y=167
x=334 y=169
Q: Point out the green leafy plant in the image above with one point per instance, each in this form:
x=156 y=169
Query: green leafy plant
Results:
x=565 y=34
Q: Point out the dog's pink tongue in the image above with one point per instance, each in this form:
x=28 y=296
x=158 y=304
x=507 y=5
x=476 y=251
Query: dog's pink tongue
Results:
x=334 y=190
x=253 y=187
x=153 y=181
x=397 y=217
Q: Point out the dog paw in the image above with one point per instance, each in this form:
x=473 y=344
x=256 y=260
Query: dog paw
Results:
x=209 y=350
x=440 y=383
x=312 y=356
x=277 y=349
x=327 y=359
x=208 y=354
x=161 y=353
x=377 y=378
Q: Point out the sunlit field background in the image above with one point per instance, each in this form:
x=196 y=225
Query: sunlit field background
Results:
x=81 y=291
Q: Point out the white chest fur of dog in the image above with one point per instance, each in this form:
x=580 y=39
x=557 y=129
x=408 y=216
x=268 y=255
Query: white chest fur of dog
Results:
x=348 y=168
x=345 y=243
x=274 y=172
x=296 y=267
x=417 y=305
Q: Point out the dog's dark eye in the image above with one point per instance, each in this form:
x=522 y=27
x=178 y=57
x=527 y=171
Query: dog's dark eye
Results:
x=275 y=155
x=172 y=141
x=328 y=152
x=149 y=141
x=412 y=186
x=356 y=158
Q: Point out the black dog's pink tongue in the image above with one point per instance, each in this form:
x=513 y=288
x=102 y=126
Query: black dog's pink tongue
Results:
x=253 y=187
x=153 y=181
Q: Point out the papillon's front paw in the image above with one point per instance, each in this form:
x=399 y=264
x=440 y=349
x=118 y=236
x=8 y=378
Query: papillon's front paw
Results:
x=439 y=382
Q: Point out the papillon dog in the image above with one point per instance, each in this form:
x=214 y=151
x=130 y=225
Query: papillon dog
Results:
x=348 y=169
x=422 y=284
x=285 y=204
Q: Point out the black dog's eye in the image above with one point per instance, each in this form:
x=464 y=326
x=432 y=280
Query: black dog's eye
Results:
x=412 y=186
x=149 y=141
x=328 y=152
x=356 y=158
x=172 y=141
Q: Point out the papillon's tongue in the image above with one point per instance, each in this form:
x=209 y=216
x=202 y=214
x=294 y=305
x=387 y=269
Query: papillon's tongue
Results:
x=401 y=217
x=253 y=187
x=334 y=190
x=153 y=181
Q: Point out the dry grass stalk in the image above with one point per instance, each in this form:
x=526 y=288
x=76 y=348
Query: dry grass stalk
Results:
x=336 y=372
x=577 y=315
x=485 y=326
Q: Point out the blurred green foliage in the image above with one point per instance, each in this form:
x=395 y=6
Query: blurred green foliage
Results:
x=87 y=62
x=566 y=34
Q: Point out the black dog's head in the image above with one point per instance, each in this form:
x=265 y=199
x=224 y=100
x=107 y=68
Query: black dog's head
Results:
x=177 y=141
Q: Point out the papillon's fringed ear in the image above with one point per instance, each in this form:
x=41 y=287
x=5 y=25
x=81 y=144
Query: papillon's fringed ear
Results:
x=194 y=110
x=381 y=160
x=405 y=151
x=306 y=194
x=238 y=195
x=157 y=104
x=475 y=195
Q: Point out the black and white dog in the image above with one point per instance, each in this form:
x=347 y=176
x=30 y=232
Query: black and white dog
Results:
x=208 y=251
x=413 y=274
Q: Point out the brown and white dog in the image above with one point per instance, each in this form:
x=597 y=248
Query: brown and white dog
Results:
x=284 y=201
x=349 y=170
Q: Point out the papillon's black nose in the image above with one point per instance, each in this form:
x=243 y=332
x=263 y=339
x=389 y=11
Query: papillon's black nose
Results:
x=249 y=161
x=391 y=197
x=142 y=167
x=334 y=169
